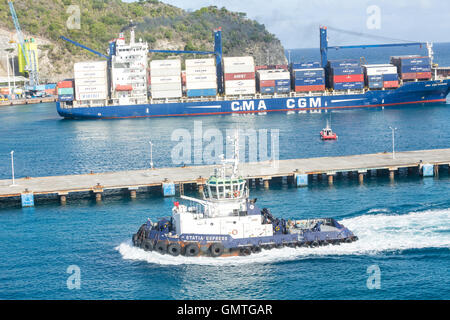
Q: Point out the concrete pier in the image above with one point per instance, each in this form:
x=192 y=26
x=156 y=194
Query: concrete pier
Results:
x=102 y=184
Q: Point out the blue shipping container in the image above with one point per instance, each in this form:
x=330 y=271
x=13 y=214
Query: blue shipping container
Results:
x=375 y=84
x=308 y=73
x=305 y=65
x=282 y=89
x=390 y=77
x=65 y=97
x=349 y=85
x=346 y=71
x=414 y=61
x=413 y=69
x=309 y=81
x=201 y=92
x=267 y=90
x=347 y=63
x=374 y=78
x=282 y=82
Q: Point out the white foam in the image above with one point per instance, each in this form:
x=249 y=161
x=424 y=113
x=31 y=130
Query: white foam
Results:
x=377 y=233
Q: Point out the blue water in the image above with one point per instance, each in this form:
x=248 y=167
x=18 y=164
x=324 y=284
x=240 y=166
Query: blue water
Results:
x=403 y=227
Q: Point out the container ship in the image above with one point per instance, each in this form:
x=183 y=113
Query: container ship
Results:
x=125 y=85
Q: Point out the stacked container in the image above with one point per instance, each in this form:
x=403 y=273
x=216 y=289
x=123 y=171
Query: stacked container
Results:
x=50 y=89
x=413 y=67
x=380 y=76
x=239 y=75
x=345 y=75
x=273 y=81
x=307 y=76
x=165 y=77
x=91 y=80
x=65 y=90
x=201 y=78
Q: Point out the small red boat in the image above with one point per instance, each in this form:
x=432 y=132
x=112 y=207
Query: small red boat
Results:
x=328 y=134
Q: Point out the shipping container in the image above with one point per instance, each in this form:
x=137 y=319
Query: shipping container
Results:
x=165 y=72
x=200 y=63
x=88 y=89
x=91 y=82
x=240 y=90
x=238 y=64
x=279 y=74
x=267 y=90
x=266 y=83
x=346 y=71
x=390 y=84
x=309 y=81
x=65 y=84
x=348 y=86
x=282 y=89
x=408 y=76
x=410 y=60
x=167 y=79
x=201 y=78
x=286 y=82
x=165 y=64
x=375 y=84
x=375 y=78
x=201 y=92
x=166 y=94
x=4 y=91
x=239 y=76
x=379 y=69
x=423 y=75
x=346 y=63
x=90 y=66
x=165 y=86
x=390 y=77
x=239 y=83
x=348 y=78
x=304 y=65
x=301 y=73
x=65 y=97
x=90 y=74
x=50 y=86
x=201 y=85
x=92 y=96
x=64 y=91
x=310 y=88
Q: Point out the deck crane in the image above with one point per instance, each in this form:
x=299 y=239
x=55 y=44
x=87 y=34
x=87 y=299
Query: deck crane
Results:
x=324 y=45
x=29 y=57
x=217 y=52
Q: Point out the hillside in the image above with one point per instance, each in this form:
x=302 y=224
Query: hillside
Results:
x=162 y=25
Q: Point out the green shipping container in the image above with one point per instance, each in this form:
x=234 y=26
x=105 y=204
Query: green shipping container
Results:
x=62 y=91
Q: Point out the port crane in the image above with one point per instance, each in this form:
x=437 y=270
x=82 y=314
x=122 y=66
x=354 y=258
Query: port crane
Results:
x=29 y=57
x=324 y=44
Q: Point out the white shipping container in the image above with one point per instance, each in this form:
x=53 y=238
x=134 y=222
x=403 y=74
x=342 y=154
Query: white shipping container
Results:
x=200 y=62
x=89 y=89
x=376 y=70
x=240 y=83
x=90 y=74
x=240 y=90
x=282 y=75
x=202 y=77
x=239 y=69
x=165 y=64
x=90 y=66
x=165 y=86
x=201 y=70
x=165 y=72
x=91 y=96
x=167 y=79
x=201 y=85
x=90 y=82
x=238 y=61
x=166 y=94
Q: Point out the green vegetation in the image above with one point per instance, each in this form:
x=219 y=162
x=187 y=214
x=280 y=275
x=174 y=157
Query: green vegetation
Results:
x=102 y=20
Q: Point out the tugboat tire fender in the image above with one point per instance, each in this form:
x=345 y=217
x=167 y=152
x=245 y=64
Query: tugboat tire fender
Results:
x=174 y=249
x=256 y=249
x=315 y=244
x=161 y=247
x=245 y=251
x=147 y=245
x=192 y=250
x=216 y=249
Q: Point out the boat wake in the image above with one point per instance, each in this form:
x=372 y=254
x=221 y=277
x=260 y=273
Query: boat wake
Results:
x=377 y=233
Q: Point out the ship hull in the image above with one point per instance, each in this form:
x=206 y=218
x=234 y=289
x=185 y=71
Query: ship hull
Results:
x=409 y=93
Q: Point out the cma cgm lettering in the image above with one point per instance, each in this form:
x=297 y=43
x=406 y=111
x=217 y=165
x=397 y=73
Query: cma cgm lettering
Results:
x=291 y=103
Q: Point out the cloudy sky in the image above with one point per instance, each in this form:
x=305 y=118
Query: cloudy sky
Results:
x=296 y=22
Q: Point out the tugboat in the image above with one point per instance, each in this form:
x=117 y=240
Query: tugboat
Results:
x=327 y=133
x=226 y=222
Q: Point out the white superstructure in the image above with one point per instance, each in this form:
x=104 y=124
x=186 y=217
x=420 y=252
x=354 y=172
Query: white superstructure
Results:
x=129 y=71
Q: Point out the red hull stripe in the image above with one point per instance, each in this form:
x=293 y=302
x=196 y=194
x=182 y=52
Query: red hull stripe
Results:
x=280 y=110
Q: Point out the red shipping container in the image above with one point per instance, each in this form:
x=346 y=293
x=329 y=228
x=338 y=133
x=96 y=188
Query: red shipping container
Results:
x=260 y=67
x=267 y=83
x=390 y=84
x=51 y=91
x=423 y=75
x=408 y=76
x=349 y=78
x=320 y=87
x=239 y=76
x=65 y=84
x=282 y=66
